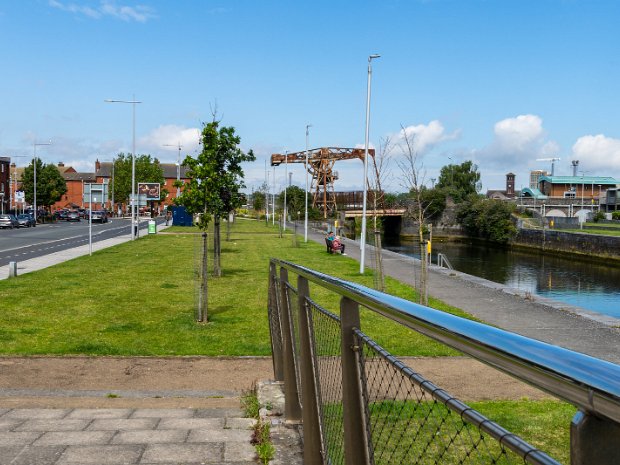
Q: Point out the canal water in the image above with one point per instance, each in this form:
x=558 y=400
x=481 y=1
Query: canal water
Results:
x=591 y=285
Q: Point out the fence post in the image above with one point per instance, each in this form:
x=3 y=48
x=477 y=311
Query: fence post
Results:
x=274 y=314
x=355 y=439
x=313 y=445
x=593 y=440
x=292 y=406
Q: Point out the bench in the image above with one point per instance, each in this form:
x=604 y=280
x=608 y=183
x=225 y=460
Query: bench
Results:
x=328 y=243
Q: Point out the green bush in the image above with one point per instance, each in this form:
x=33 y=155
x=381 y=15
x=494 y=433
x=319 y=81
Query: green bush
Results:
x=615 y=215
x=598 y=216
x=487 y=218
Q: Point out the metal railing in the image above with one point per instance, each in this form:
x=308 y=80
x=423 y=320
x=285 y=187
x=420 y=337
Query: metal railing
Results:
x=443 y=261
x=361 y=405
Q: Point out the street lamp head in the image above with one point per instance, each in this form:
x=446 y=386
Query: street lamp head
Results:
x=372 y=57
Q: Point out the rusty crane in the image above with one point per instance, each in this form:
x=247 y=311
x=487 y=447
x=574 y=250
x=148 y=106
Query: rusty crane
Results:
x=321 y=168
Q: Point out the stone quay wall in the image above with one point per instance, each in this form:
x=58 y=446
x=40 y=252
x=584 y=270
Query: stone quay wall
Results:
x=560 y=241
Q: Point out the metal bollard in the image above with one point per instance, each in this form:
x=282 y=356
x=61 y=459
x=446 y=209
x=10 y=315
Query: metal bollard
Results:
x=12 y=269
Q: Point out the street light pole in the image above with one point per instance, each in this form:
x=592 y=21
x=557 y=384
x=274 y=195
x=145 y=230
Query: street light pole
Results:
x=34 y=165
x=308 y=126
x=135 y=222
x=285 y=176
x=178 y=165
x=363 y=238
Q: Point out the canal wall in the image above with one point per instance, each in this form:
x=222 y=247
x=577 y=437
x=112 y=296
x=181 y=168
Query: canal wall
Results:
x=566 y=242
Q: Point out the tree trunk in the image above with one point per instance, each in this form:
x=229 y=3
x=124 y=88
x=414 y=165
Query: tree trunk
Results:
x=423 y=260
x=228 y=227
x=217 y=269
x=203 y=292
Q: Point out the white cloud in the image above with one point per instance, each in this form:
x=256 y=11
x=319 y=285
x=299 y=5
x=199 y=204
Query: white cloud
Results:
x=598 y=153
x=138 y=13
x=517 y=143
x=425 y=136
x=163 y=137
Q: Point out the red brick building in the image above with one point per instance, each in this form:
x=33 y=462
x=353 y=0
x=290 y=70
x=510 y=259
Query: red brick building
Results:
x=103 y=173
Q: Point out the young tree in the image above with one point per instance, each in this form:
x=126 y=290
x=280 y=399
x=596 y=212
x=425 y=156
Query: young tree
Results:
x=216 y=177
x=412 y=179
x=51 y=186
x=381 y=172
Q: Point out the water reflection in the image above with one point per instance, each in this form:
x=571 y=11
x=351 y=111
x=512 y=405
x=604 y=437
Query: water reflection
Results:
x=594 y=286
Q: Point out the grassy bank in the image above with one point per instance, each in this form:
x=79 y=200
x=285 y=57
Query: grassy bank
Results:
x=138 y=299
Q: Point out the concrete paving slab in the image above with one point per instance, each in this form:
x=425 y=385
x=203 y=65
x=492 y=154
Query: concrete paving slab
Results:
x=40 y=413
x=100 y=413
x=70 y=438
x=163 y=413
x=101 y=455
x=218 y=413
x=219 y=435
x=191 y=423
x=9 y=425
x=10 y=438
x=239 y=451
x=150 y=436
x=123 y=424
x=181 y=453
x=53 y=425
x=240 y=423
x=29 y=455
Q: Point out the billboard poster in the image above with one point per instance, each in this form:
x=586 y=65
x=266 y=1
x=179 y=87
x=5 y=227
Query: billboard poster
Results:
x=148 y=191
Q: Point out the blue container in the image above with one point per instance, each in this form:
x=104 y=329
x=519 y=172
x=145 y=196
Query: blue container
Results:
x=180 y=217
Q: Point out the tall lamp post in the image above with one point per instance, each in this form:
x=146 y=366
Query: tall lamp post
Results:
x=178 y=165
x=285 y=176
x=308 y=126
x=34 y=165
x=134 y=218
x=363 y=238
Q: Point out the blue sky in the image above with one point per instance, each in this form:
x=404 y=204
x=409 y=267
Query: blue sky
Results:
x=500 y=82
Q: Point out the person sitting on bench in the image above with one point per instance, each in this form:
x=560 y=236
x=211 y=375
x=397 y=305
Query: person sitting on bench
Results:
x=329 y=240
x=338 y=246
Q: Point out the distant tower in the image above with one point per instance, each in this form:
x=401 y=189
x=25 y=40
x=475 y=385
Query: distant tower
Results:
x=575 y=164
x=510 y=185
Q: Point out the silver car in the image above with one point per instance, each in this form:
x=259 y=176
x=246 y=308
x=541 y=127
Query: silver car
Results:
x=8 y=221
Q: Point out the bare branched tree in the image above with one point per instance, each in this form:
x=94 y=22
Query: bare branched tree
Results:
x=412 y=179
x=381 y=162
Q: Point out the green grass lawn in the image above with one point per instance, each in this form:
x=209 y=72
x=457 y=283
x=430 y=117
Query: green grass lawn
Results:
x=594 y=230
x=138 y=299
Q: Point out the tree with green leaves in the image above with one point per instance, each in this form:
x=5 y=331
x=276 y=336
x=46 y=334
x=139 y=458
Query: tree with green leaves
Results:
x=51 y=186
x=148 y=169
x=487 y=218
x=459 y=181
x=215 y=180
x=295 y=200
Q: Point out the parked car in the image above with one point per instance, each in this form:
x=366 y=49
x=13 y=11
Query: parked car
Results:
x=8 y=221
x=26 y=221
x=73 y=216
x=99 y=216
x=61 y=214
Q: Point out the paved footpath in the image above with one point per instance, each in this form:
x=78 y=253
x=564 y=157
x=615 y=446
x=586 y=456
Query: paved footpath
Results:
x=125 y=436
